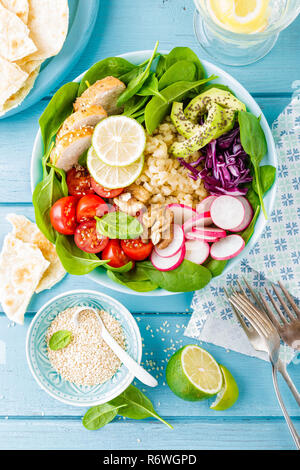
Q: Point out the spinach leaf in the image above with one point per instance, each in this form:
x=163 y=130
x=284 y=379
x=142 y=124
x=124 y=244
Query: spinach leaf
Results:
x=134 y=105
x=123 y=269
x=156 y=110
x=46 y=193
x=137 y=82
x=252 y=198
x=219 y=86
x=74 y=260
x=100 y=415
x=186 y=278
x=248 y=232
x=161 y=66
x=119 y=225
x=180 y=71
x=254 y=143
x=267 y=174
x=112 y=66
x=150 y=87
x=59 y=108
x=138 y=406
x=60 y=339
x=185 y=53
x=132 y=281
x=216 y=267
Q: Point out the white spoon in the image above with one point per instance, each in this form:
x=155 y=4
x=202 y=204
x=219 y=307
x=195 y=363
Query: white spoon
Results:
x=138 y=371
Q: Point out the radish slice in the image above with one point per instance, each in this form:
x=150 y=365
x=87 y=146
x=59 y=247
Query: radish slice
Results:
x=197 y=251
x=195 y=235
x=175 y=245
x=211 y=231
x=198 y=220
x=167 y=264
x=248 y=214
x=205 y=205
x=181 y=213
x=227 y=212
x=227 y=247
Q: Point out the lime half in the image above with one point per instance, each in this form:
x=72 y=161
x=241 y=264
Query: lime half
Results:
x=193 y=374
x=113 y=177
x=228 y=394
x=119 y=140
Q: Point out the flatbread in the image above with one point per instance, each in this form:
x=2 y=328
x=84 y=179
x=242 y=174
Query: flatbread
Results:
x=12 y=79
x=17 y=98
x=21 y=267
x=48 y=22
x=19 y=7
x=15 y=42
x=28 y=232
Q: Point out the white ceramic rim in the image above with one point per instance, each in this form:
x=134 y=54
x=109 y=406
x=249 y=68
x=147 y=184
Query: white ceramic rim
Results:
x=106 y=282
x=94 y=293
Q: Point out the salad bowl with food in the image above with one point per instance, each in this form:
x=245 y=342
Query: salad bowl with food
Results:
x=153 y=172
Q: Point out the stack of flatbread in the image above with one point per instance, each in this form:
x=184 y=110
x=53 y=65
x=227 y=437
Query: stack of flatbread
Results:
x=28 y=264
x=31 y=31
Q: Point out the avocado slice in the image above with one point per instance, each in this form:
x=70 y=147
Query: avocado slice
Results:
x=183 y=125
x=212 y=128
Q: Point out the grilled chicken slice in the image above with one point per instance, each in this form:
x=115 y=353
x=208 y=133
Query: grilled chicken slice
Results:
x=105 y=93
x=70 y=147
x=88 y=117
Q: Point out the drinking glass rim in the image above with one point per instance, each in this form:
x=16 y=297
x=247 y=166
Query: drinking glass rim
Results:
x=276 y=29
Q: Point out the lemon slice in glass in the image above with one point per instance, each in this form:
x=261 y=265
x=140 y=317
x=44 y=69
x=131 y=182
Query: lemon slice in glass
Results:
x=113 y=177
x=119 y=140
x=193 y=374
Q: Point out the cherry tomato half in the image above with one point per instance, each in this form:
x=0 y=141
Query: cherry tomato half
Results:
x=79 y=182
x=105 y=192
x=89 y=206
x=88 y=239
x=63 y=215
x=114 y=252
x=137 y=249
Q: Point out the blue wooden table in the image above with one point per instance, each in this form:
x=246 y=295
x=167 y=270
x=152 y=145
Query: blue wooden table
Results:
x=29 y=418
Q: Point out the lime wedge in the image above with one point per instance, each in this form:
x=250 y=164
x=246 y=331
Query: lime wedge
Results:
x=193 y=374
x=119 y=140
x=113 y=177
x=229 y=392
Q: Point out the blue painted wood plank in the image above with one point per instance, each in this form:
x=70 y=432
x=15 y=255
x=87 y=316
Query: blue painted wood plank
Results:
x=188 y=434
x=162 y=335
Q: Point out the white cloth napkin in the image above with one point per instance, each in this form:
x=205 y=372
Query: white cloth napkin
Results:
x=276 y=256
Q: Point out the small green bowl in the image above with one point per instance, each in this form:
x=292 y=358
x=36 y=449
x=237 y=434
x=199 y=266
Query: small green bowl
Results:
x=40 y=366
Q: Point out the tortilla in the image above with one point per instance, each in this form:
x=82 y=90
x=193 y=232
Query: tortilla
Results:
x=48 y=22
x=12 y=79
x=19 y=96
x=19 y=7
x=15 y=42
x=21 y=268
x=28 y=232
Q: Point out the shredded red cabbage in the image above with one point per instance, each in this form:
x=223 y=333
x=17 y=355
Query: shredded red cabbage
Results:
x=226 y=165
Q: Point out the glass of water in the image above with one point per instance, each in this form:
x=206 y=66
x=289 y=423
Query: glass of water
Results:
x=240 y=32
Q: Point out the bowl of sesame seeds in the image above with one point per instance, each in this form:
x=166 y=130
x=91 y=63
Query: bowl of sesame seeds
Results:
x=70 y=360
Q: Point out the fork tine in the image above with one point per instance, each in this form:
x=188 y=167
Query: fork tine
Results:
x=244 y=325
x=253 y=293
x=286 y=308
x=284 y=320
x=236 y=303
x=271 y=314
x=260 y=316
x=290 y=299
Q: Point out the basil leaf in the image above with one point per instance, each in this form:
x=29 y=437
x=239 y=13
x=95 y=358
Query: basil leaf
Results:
x=182 y=71
x=216 y=267
x=138 y=406
x=267 y=174
x=74 y=260
x=139 y=285
x=59 y=108
x=248 y=232
x=111 y=66
x=137 y=82
x=100 y=415
x=60 y=339
x=254 y=143
x=119 y=225
x=186 y=278
x=156 y=110
x=185 y=53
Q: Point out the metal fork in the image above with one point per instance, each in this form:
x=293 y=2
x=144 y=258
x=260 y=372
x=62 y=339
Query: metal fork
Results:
x=289 y=327
x=267 y=331
x=258 y=341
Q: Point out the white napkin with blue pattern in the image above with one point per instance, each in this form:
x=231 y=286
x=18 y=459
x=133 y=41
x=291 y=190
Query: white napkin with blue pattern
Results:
x=276 y=256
